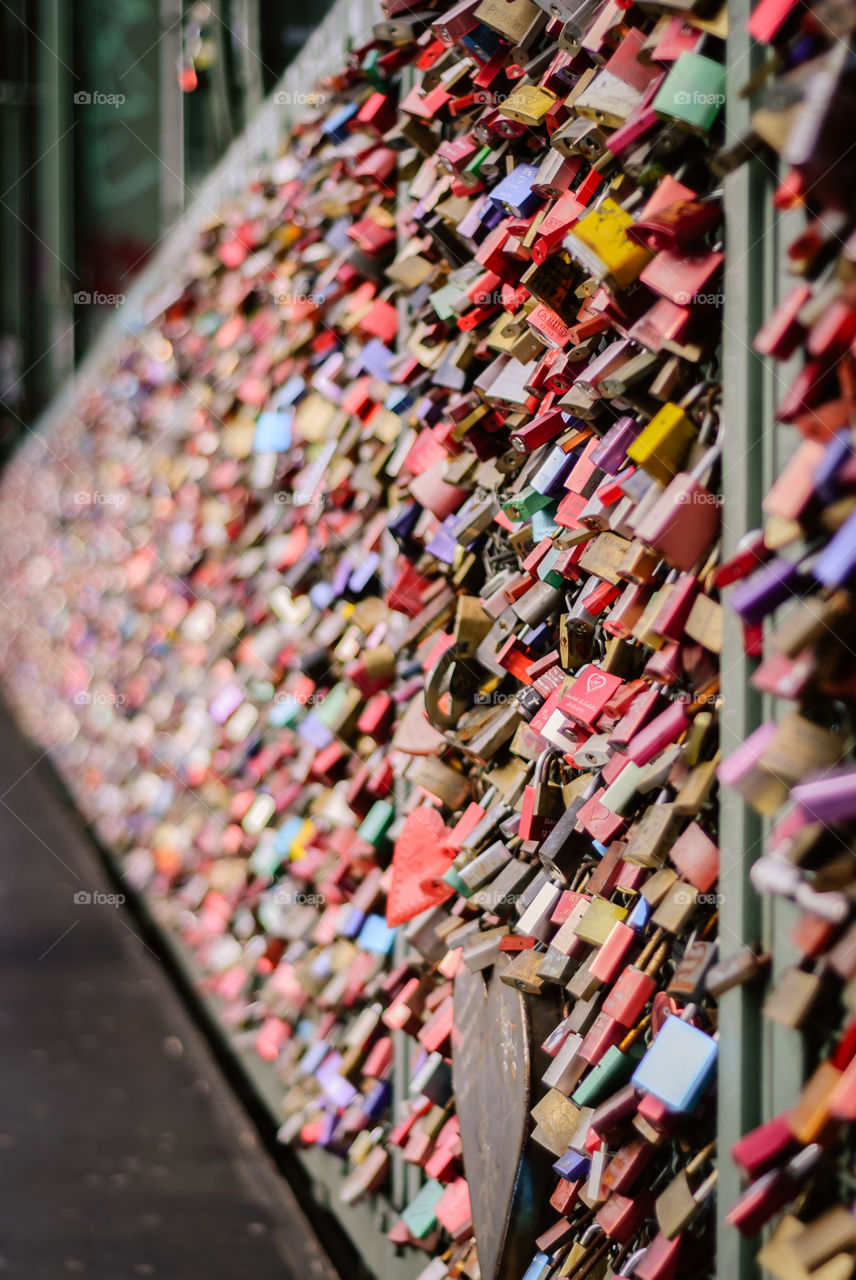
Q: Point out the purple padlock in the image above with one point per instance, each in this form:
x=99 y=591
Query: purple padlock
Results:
x=758 y=595
x=377 y=1100
x=550 y=477
x=492 y=216
x=364 y=572
x=610 y=455
x=837 y=561
x=443 y=545
x=828 y=799
x=344 y=568
x=335 y=1087
x=471 y=223
x=375 y=358
x=836 y=454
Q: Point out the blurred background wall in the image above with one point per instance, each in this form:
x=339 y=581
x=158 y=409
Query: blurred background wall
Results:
x=111 y=114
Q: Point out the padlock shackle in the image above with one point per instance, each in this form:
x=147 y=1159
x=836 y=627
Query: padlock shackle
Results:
x=543 y=761
x=634 y=1034
x=649 y=949
x=657 y=960
x=700 y=1157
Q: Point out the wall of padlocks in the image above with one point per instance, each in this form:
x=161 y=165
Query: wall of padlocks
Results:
x=370 y=601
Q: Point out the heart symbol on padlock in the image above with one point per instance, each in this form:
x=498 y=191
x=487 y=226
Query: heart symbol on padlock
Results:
x=495 y=1060
x=596 y=680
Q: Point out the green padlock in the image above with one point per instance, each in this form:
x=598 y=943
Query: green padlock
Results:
x=614 y=1069
x=441 y=300
x=526 y=503
x=471 y=173
x=547 y=573
x=693 y=93
x=376 y=823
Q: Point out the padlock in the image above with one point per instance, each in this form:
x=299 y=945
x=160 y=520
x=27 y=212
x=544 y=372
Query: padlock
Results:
x=679 y=1066
x=791 y=1000
x=612 y=1070
x=636 y=984
x=678 y=1204
x=772 y=1191
x=662 y=445
x=685 y=520
x=542 y=800
x=693 y=92
x=600 y=243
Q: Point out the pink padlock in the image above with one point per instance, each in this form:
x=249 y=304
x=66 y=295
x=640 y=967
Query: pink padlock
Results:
x=685 y=520
x=663 y=729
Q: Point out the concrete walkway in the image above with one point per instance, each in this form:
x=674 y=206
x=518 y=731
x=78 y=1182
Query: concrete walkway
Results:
x=123 y=1152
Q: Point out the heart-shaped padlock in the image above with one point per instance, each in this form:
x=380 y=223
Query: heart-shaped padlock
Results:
x=495 y=1068
x=418 y=865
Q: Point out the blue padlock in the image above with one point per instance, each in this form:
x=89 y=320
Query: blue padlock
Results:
x=837 y=561
x=376 y=936
x=515 y=192
x=335 y=127
x=640 y=915
x=679 y=1065
x=539 y=1267
x=572 y=1166
x=553 y=472
x=273 y=431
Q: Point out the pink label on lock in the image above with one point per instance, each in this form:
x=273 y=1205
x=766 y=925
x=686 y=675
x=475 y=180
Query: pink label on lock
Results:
x=588 y=695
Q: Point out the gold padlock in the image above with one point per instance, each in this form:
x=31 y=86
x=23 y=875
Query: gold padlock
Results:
x=522 y=972
x=556 y=1119
x=528 y=104
x=653 y=835
x=675 y=908
x=705 y=623
x=603 y=555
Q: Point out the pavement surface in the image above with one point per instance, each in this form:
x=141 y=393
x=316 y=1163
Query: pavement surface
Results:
x=123 y=1151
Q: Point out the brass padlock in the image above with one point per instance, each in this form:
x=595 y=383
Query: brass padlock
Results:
x=676 y=908
x=522 y=972
x=679 y=1203
x=651 y=838
x=576 y=640
x=793 y=997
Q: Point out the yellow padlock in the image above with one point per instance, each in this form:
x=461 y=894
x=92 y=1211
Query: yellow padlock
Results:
x=599 y=242
x=662 y=445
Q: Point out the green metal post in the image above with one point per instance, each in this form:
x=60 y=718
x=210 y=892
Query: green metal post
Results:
x=56 y=278
x=739 y=1098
